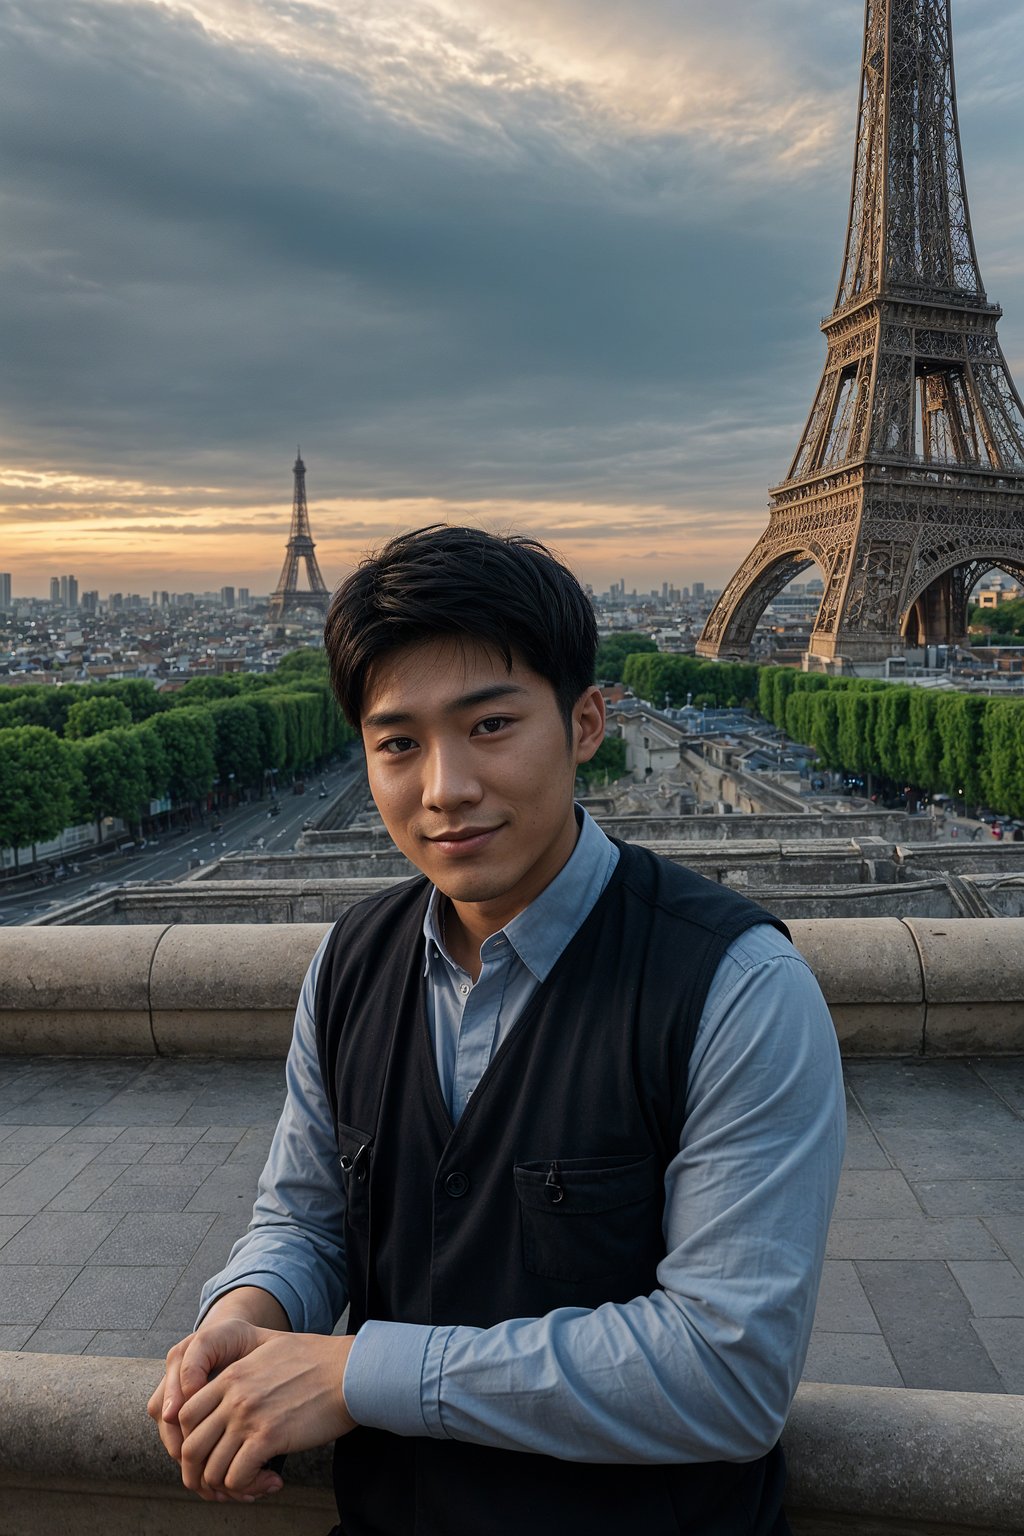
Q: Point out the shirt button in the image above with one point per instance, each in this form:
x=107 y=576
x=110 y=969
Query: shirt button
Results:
x=464 y=990
x=457 y=1185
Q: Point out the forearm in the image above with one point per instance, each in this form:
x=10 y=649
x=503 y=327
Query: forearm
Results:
x=295 y=1248
x=252 y=1305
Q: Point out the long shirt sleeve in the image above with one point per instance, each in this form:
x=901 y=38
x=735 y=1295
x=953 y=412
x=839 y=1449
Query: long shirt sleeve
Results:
x=295 y=1245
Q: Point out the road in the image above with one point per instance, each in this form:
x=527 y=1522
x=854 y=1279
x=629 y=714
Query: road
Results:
x=172 y=856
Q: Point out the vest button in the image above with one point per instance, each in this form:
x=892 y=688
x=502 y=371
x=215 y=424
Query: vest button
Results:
x=457 y=1185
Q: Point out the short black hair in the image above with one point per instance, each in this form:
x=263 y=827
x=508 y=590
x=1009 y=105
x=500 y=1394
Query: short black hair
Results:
x=507 y=592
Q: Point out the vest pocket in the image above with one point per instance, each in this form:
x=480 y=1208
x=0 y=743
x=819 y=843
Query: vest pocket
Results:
x=588 y=1218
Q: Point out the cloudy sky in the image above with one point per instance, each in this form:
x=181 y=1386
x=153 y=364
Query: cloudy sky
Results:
x=551 y=264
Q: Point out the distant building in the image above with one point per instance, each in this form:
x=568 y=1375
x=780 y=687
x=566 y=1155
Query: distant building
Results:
x=5 y=591
x=243 y=597
x=227 y=597
x=997 y=591
x=55 y=589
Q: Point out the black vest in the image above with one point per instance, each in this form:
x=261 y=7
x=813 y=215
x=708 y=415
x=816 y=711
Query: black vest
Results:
x=548 y=1193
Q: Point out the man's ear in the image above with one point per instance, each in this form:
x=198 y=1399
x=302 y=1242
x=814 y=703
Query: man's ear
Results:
x=588 y=723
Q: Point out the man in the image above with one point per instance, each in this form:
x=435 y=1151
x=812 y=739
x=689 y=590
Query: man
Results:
x=563 y=1128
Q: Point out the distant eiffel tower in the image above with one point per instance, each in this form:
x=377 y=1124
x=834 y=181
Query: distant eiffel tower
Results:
x=286 y=597
x=908 y=483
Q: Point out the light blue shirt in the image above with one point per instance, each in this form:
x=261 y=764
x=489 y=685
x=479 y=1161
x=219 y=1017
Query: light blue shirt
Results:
x=702 y=1369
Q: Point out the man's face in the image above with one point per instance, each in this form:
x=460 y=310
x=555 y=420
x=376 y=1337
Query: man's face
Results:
x=472 y=773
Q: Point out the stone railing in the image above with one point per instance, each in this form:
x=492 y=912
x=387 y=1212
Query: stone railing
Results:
x=895 y=986
x=77 y=1452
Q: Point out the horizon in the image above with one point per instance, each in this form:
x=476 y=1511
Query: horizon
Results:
x=560 y=270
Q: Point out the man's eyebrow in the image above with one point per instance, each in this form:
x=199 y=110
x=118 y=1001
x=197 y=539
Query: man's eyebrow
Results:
x=385 y=718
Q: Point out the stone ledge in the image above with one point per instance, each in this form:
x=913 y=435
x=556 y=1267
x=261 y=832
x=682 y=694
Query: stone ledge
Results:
x=76 y=1446
x=895 y=986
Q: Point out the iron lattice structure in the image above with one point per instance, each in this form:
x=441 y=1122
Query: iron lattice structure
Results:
x=286 y=597
x=908 y=483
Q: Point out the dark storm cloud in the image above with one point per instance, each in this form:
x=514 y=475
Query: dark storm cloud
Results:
x=215 y=248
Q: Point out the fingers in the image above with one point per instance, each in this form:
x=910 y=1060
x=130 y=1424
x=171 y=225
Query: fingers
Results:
x=219 y=1462
x=211 y=1349
x=173 y=1395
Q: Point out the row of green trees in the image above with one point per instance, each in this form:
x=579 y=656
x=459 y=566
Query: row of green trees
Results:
x=70 y=755
x=956 y=743
x=672 y=680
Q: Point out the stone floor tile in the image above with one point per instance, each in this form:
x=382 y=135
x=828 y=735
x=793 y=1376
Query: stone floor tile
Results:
x=205 y=1156
x=1008 y=1232
x=183 y=1134
x=921 y=1238
x=58 y=1341
x=165 y=1154
x=34 y=1186
x=84 y=1189
x=1005 y=1076
x=122 y=1154
x=113 y=1296
x=142 y=1109
x=103 y=1134
x=225 y=1189
x=252 y=1148
x=172 y=1191
x=1003 y=1338
x=874 y=1193
x=179 y=1310
x=11 y=1224
x=971 y=1197
x=851 y=1360
x=843 y=1306
x=58 y=1237
x=926 y=1323
x=992 y=1290
x=28 y=1291
x=30 y=1139
x=135 y=1344
x=152 y=1237
x=69 y=1106
x=939 y=1120
x=231 y=1134
x=12 y=1337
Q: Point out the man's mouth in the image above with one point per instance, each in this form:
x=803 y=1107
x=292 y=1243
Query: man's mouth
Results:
x=461 y=839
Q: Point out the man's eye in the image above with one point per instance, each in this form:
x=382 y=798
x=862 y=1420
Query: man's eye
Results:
x=396 y=745
x=492 y=724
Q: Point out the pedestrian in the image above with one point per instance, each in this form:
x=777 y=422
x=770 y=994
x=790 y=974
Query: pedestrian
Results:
x=563 y=1128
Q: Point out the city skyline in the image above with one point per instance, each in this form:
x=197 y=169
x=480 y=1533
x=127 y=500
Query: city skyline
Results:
x=560 y=270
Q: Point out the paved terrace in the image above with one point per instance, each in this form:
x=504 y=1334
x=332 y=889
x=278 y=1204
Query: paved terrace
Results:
x=124 y=1181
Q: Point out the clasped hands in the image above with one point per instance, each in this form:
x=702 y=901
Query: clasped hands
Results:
x=234 y=1395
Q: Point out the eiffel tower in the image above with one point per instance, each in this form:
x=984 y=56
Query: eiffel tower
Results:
x=286 y=597
x=908 y=483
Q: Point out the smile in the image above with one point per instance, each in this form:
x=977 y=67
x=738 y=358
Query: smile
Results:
x=464 y=841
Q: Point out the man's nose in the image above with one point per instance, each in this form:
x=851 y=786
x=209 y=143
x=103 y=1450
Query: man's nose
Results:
x=449 y=778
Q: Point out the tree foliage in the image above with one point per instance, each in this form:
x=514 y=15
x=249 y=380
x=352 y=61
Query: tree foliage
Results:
x=87 y=717
x=613 y=652
x=39 y=785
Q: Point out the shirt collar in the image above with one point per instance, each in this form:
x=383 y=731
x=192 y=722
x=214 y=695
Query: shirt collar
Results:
x=542 y=930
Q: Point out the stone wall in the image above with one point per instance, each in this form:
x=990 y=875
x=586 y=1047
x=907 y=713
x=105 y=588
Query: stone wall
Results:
x=77 y=1452
x=895 y=986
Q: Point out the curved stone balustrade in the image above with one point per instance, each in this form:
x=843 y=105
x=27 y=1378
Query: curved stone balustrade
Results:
x=895 y=986
x=77 y=1451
